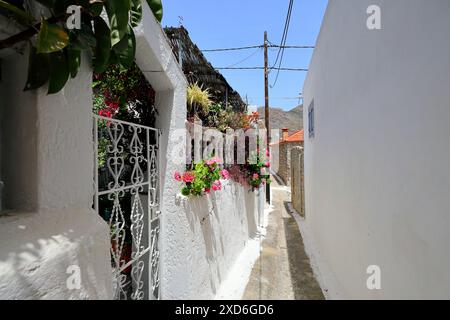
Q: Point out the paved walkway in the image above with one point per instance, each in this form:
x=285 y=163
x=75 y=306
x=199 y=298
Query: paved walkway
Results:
x=283 y=270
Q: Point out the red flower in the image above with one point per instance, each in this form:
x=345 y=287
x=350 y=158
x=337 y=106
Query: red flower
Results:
x=212 y=161
x=105 y=113
x=112 y=105
x=188 y=177
x=217 y=185
x=177 y=176
x=267 y=165
x=225 y=174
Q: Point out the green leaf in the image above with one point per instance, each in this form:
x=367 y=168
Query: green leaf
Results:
x=37 y=70
x=51 y=38
x=136 y=13
x=118 y=11
x=103 y=47
x=126 y=49
x=96 y=8
x=60 y=6
x=185 y=191
x=18 y=13
x=47 y=3
x=59 y=72
x=157 y=8
x=85 y=37
x=73 y=61
x=113 y=59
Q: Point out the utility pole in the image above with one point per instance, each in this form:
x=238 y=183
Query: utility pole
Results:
x=266 y=103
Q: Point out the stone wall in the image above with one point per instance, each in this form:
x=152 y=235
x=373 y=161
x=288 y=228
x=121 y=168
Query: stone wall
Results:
x=297 y=180
x=284 y=160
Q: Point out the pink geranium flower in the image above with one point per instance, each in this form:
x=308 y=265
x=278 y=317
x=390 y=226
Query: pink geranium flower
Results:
x=177 y=176
x=212 y=161
x=255 y=176
x=217 y=185
x=267 y=153
x=217 y=159
x=225 y=174
x=188 y=177
x=267 y=164
x=207 y=190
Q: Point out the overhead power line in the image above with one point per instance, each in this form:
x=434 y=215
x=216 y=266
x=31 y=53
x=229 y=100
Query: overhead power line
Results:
x=232 y=49
x=259 y=46
x=246 y=58
x=291 y=47
x=284 y=36
x=261 y=68
x=283 y=41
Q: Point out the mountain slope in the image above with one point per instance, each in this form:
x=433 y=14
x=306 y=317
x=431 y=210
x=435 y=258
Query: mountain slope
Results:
x=292 y=119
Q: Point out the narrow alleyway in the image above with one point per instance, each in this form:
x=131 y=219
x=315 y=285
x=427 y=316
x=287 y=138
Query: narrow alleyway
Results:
x=283 y=270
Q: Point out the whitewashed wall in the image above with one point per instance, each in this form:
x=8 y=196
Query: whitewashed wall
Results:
x=49 y=171
x=205 y=241
x=377 y=171
x=47 y=168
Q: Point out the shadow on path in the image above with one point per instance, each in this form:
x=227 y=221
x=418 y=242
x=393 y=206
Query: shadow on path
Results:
x=304 y=283
x=283 y=270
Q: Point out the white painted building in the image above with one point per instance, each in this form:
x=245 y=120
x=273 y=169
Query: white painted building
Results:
x=47 y=166
x=377 y=159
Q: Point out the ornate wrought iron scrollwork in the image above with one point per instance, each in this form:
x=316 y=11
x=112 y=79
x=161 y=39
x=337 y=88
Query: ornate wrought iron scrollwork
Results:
x=132 y=161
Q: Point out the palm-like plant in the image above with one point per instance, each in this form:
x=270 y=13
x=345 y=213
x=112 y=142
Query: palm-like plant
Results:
x=197 y=97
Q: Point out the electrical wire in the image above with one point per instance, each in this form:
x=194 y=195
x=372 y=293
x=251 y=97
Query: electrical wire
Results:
x=291 y=47
x=261 y=68
x=245 y=59
x=283 y=42
x=271 y=46
x=283 y=37
x=232 y=49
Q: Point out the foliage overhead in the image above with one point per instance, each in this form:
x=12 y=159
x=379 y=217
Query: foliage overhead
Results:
x=126 y=94
x=56 y=50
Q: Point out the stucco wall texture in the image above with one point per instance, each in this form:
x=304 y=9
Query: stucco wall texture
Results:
x=47 y=168
x=48 y=173
x=377 y=171
x=206 y=240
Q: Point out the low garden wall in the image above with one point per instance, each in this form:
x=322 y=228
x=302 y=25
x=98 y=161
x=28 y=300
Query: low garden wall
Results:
x=211 y=232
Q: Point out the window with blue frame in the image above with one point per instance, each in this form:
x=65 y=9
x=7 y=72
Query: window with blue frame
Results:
x=311 y=120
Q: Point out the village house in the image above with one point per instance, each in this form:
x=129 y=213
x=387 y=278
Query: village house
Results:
x=377 y=154
x=282 y=149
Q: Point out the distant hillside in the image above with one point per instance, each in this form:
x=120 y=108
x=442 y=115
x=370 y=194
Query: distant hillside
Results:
x=292 y=119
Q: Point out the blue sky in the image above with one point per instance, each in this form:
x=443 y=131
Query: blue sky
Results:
x=234 y=23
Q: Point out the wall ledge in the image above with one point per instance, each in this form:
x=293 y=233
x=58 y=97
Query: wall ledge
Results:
x=38 y=248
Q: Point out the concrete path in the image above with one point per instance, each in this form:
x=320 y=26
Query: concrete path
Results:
x=283 y=270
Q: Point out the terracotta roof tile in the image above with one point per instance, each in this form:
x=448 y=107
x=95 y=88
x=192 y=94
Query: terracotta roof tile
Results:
x=297 y=136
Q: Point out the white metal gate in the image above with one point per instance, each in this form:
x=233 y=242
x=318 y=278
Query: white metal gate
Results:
x=127 y=195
